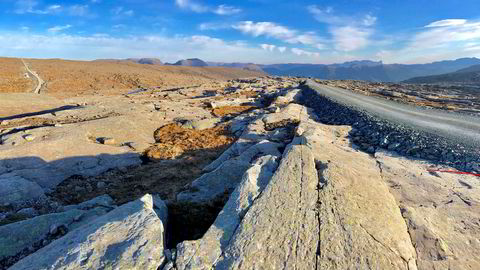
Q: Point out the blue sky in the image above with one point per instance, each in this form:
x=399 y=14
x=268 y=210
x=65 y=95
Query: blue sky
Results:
x=259 y=31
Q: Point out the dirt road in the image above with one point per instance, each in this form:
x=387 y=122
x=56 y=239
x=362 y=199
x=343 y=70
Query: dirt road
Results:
x=39 y=83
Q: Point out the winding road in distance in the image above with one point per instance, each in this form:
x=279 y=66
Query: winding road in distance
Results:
x=40 y=82
x=460 y=128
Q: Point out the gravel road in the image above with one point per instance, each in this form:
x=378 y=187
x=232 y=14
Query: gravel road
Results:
x=445 y=137
x=39 y=80
x=459 y=127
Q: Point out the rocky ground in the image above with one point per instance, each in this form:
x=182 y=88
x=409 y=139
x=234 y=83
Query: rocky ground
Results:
x=245 y=174
x=453 y=97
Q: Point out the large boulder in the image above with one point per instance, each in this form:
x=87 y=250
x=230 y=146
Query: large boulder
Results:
x=129 y=237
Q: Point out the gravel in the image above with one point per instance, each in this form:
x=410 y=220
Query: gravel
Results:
x=372 y=131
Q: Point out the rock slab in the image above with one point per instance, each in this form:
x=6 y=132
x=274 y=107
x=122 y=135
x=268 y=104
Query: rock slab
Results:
x=280 y=231
x=129 y=237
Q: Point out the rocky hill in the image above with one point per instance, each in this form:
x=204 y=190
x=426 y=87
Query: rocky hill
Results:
x=71 y=78
x=465 y=75
x=192 y=62
x=247 y=66
x=146 y=61
x=246 y=174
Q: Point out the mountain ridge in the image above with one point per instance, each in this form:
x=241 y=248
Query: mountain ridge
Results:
x=465 y=75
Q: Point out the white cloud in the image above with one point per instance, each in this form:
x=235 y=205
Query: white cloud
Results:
x=58 y=28
x=349 y=33
x=78 y=10
x=25 y=28
x=445 y=33
x=226 y=10
x=169 y=49
x=350 y=38
x=198 y=7
x=25 y=6
x=327 y=16
x=213 y=26
x=282 y=49
x=30 y=6
x=445 y=39
x=277 y=31
x=268 y=47
x=119 y=26
x=119 y=12
x=190 y=5
x=448 y=22
x=369 y=20
x=301 y=52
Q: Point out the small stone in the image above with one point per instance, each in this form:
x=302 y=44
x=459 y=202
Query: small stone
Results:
x=106 y=141
x=4 y=122
x=101 y=185
x=371 y=150
x=58 y=125
x=168 y=254
x=393 y=146
x=29 y=212
x=29 y=137
x=53 y=229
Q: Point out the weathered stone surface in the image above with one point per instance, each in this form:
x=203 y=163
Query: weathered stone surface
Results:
x=252 y=134
x=280 y=231
x=15 y=237
x=291 y=96
x=361 y=226
x=292 y=113
x=129 y=237
x=100 y=201
x=227 y=176
x=49 y=174
x=202 y=124
x=203 y=253
x=442 y=212
x=17 y=191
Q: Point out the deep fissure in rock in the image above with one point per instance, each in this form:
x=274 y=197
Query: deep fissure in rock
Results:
x=190 y=221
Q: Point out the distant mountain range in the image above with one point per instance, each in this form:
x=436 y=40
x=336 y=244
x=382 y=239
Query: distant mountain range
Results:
x=146 y=61
x=247 y=66
x=192 y=62
x=353 y=70
x=369 y=70
x=466 y=75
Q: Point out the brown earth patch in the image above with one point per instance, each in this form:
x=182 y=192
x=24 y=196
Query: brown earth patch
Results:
x=12 y=76
x=178 y=158
x=231 y=110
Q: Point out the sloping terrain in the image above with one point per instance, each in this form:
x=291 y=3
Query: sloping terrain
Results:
x=65 y=78
x=466 y=75
x=13 y=76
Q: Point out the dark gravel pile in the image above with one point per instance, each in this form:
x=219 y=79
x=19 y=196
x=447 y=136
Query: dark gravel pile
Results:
x=371 y=133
